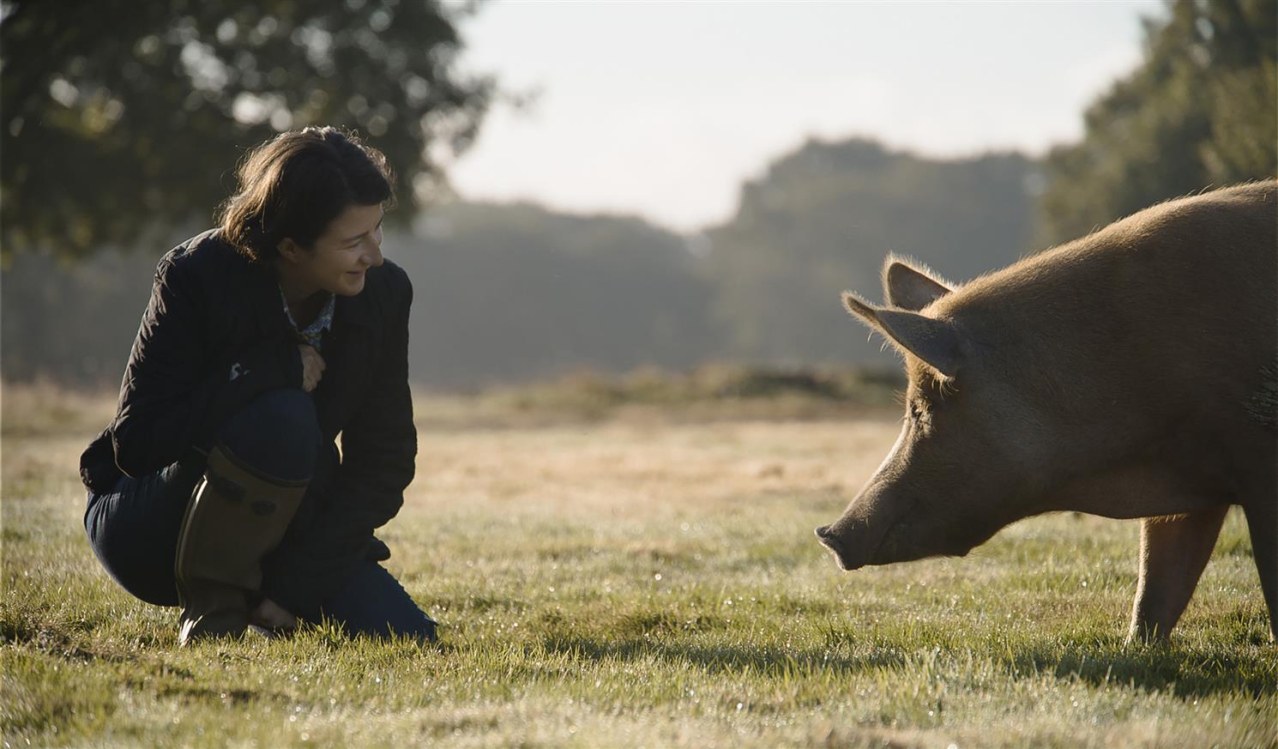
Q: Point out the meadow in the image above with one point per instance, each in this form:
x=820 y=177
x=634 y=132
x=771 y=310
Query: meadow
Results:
x=631 y=567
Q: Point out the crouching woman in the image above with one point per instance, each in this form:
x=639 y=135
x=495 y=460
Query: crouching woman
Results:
x=218 y=486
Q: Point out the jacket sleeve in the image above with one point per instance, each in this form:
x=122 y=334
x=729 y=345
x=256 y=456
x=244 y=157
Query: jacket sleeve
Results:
x=379 y=451
x=173 y=397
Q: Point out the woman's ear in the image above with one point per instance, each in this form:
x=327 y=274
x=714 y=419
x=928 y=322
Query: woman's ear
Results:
x=289 y=250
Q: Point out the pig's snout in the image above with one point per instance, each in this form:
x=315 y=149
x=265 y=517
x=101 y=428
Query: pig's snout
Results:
x=832 y=542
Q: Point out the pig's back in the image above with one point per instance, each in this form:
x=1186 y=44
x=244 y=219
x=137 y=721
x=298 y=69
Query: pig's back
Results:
x=1175 y=307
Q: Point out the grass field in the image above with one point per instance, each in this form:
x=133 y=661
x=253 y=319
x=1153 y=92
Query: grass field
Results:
x=635 y=575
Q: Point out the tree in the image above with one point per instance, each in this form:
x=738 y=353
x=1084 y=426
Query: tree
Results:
x=124 y=118
x=1200 y=111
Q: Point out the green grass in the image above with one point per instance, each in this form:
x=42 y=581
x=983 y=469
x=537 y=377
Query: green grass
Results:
x=637 y=580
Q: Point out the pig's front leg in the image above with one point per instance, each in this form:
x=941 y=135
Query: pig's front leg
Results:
x=1262 y=523
x=1173 y=552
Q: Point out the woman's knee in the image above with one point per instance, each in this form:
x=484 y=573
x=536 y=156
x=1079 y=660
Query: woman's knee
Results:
x=277 y=433
x=133 y=530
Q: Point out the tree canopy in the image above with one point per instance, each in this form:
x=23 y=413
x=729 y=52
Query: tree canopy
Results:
x=122 y=119
x=1200 y=111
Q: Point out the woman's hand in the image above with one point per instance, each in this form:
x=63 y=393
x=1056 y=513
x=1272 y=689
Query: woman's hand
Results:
x=312 y=367
x=271 y=615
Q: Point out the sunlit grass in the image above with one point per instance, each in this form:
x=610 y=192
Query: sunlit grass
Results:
x=632 y=580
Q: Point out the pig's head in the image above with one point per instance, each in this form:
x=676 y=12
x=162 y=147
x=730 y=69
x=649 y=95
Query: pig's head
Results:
x=961 y=463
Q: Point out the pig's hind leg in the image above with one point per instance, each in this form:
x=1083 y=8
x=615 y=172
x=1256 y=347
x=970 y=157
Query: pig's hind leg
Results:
x=1173 y=552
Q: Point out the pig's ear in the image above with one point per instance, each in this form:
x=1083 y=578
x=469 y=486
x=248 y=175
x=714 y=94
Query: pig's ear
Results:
x=910 y=288
x=936 y=342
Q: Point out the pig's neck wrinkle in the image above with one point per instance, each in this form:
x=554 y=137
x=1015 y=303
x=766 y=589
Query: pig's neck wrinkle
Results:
x=1131 y=491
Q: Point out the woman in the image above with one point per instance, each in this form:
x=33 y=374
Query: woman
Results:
x=219 y=486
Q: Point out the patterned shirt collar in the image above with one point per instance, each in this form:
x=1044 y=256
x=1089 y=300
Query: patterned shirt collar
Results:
x=313 y=334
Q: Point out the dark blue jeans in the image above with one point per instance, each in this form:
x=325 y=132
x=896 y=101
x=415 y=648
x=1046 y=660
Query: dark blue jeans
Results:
x=133 y=529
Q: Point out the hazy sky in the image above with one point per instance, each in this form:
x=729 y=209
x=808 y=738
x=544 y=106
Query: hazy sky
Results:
x=662 y=109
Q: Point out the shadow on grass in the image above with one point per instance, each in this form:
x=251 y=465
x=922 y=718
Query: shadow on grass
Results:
x=1158 y=668
x=715 y=659
x=1186 y=674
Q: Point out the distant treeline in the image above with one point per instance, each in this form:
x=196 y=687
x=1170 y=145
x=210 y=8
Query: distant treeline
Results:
x=507 y=293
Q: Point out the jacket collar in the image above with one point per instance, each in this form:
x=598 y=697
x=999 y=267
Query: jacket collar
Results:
x=354 y=310
x=265 y=292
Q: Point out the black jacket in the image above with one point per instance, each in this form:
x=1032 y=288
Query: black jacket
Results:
x=213 y=337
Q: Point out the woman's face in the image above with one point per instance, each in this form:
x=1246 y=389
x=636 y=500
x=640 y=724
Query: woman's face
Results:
x=350 y=245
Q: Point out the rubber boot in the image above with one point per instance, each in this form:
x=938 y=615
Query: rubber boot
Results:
x=236 y=517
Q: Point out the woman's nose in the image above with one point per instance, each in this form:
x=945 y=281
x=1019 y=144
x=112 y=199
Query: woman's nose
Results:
x=373 y=254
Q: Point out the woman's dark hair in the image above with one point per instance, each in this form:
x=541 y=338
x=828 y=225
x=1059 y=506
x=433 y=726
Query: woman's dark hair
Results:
x=295 y=184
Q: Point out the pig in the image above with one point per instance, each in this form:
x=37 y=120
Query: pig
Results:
x=1128 y=374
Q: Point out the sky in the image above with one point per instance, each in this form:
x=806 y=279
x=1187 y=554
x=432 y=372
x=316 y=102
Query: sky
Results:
x=664 y=109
